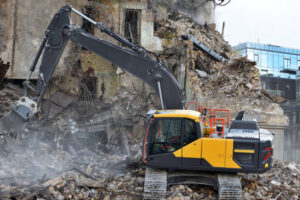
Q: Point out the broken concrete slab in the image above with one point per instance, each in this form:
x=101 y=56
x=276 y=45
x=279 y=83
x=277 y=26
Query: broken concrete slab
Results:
x=62 y=99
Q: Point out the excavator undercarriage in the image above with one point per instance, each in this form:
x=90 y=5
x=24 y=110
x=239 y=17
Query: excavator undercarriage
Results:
x=157 y=181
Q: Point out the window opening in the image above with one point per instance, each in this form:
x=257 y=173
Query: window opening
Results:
x=190 y=132
x=132 y=26
x=91 y=12
x=89 y=89
x=88 y=85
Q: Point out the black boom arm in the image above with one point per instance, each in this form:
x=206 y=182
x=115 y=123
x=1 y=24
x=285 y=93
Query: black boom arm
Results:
x=133 y=59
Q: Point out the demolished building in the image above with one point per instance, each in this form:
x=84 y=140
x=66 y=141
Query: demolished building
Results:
x=23 y=30
x=85 y=77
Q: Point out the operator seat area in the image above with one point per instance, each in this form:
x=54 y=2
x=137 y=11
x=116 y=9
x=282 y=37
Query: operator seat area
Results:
x=171 y=134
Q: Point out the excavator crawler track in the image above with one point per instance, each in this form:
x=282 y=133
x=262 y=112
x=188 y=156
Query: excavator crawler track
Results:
x=229 y=187
x=157 y=180
x=155 y=185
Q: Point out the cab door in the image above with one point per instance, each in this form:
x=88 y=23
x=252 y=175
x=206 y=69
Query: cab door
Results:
x=191 y=147
x=165 y=140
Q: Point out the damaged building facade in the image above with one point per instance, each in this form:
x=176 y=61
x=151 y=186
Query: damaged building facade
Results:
x=151 y=25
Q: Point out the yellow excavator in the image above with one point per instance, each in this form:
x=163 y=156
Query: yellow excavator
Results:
x=186 y=141
x=175 y=138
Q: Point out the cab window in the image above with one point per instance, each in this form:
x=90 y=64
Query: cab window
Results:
x=190 y=131
x=166 y=136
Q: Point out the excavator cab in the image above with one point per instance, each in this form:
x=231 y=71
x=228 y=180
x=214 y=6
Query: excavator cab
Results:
x=168 y=135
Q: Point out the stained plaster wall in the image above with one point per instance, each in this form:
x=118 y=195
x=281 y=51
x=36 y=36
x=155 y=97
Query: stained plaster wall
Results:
x=25 y=24
x=109 y=76
x=7 y=8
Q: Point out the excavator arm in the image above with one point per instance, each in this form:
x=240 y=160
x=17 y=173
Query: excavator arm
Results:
x=133 y=59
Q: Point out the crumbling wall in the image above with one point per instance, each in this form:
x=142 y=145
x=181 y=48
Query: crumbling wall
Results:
x=25 y=24
x=109 y=77
x=201 y=11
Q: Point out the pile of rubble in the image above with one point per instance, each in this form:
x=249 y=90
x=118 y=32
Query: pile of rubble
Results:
x=39 y=171
x=209 y=77
x=9 y=94
x=55 y=159
x=75 y=149
x=201 y=11
x=239 y=77
x=188 y=192
x=281 y=182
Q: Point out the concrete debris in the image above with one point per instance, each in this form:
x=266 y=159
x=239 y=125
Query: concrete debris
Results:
x=52 y=162
x=281 y=182
x=201 y=11
x=201 y=74
x=8 y=96
x=237 y=77
x=42 y=170
x=188 y=192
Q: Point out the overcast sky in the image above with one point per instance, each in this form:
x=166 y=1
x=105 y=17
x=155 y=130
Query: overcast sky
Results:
x=274 y=22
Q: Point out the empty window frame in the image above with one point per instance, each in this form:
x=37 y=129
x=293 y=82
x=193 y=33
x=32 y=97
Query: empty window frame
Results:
x=91 y=12
x=88 y=88
x=132 y=27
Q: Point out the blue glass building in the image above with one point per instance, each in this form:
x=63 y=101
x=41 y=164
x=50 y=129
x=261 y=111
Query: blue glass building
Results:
x=271 y=59
x=280 y=74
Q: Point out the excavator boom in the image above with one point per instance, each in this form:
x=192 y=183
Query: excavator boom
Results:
x=133 y=59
